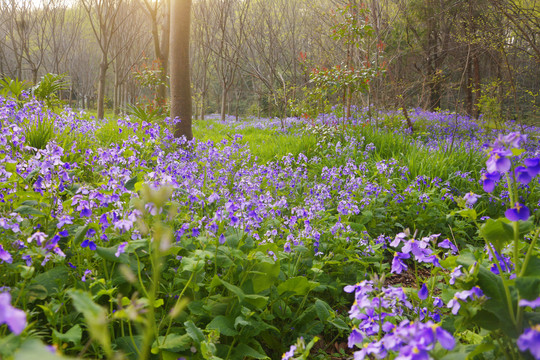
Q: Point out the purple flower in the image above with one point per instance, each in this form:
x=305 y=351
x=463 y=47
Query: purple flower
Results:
x=511 y=140
x=447 y=244
x=444 y=337
x=456 y=273
x=86 y=212
x=13 y=317
x=455 y=304
x=63 y=220
x=397 y=264
x=523 y=175
x=39 y=237
x=222 y=239
x=123 y=225
x=289 y=354
x=89 y=243
x=355 y=337
x=530 y=340
x=287 y=247
x=423 y=293
x=121 y=249
x=5 y=256
x=533 y=165
x=532 y=303
x=498 y=161
x=518 y=212
x=471 y=199
x=86 y=273
x=489 y=180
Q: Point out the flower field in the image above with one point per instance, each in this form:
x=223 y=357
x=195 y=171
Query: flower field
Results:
x=322 y=239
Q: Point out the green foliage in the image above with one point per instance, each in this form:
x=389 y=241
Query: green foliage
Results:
x=48 y=88
x=13 y=88
x=39 y=132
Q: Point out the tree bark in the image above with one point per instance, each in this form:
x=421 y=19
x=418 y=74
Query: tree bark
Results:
x=180 y=74
x=224 y=94
x=101 y=87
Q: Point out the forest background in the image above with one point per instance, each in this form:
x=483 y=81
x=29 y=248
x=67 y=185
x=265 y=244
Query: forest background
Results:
x=262 y=58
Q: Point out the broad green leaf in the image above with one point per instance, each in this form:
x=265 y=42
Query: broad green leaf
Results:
x=234 y=289
x=268 y=274
x=243 y=351
x=258 y=301
x=130 y=184
x=28 y=210
x=297 y=286
x=480 y=349
x=323 y=310
x=130 y=346
x=223 y=324
x=81 y=232
x=496 y=304
x=109 y=254
x=52 y=280
x=35 y=349
x=36 y=292
x=194 y=332
x=95 y=316
x=73 y=335
x=173 y=342
x=528 y=287
x=497 y=232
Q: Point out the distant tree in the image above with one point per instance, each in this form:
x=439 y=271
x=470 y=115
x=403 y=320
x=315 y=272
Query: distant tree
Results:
x=105 y=19
x=180 y=68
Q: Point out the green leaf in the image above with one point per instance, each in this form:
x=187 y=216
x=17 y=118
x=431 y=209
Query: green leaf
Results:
x=130 y=346
x=52 y=280
x=73 y=336
x=194 y=332
x=235 y=290
x=130 y=184
x=174 y=342
x=497 y=232
x=36 y=292
x=109 y=254
x=497 y=303
x=34 y=349
x=28 y=210
x=533 y=267
x=480 y=349
x=81 y=232
x=323 y=310
x=339 y=324
x=242 y=351
x=95 y=316
x=268 y=274
x=258 y=301
x=223 y=324
x=528 y=287
x=296 y=286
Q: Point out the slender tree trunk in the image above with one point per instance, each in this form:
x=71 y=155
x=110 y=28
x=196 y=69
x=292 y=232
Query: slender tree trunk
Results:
x=164 y=51
x=101 y=87
x=477 y=88
x=180 y=75
x=116 y=95
x=468 y=89
x=224 y=92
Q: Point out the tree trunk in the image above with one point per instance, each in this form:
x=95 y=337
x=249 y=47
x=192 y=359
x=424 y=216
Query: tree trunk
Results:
x=116 y=96
x=180 y=75
x=224 y=92
x=101 y=87
x=477 y=88
x=163 y=56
